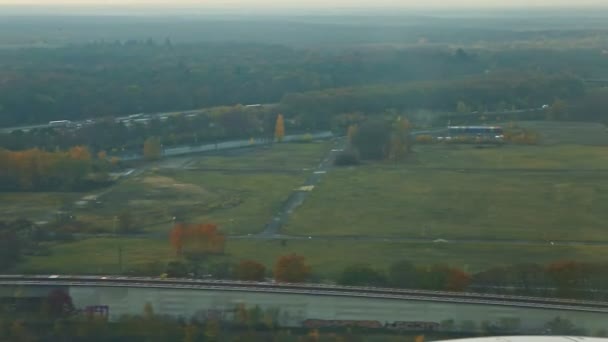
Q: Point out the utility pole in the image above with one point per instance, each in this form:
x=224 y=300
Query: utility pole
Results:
x=118 y=246
x=119 y=259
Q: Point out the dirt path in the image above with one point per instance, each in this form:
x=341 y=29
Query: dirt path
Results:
x=298 y=196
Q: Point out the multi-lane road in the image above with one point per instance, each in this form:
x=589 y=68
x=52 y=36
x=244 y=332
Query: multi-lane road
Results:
x=140 y=118
x=306 y=289
x=311 y=305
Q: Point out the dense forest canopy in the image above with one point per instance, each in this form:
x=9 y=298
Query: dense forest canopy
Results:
x=124 y=77
x=490 y=92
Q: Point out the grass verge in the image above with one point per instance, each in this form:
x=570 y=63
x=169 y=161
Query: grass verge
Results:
x=327 y=258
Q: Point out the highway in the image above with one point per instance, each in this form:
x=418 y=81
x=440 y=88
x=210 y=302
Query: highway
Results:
x=310 y=305
x=306 y=289
x=139 y=117
x=7 y=130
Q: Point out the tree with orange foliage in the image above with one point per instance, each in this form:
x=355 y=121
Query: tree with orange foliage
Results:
x=102 y=155
x=457 y=280
x=443 y=277
x=79 y=153
x=250 y=270
x=114 y=161
x=567 y=275
x=36 y=169
x=291 y=268
x=204 y=238
x=279 y=128
x=153 y=149
x=197 y=239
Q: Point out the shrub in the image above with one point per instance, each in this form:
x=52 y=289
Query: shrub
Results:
x=424 y=139
x=522 y=136
x=372 y=139
x=250 y=270
x=361 y=275
x=306 y=138
x=346 y=158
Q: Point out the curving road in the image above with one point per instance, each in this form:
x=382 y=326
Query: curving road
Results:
x=308 y=289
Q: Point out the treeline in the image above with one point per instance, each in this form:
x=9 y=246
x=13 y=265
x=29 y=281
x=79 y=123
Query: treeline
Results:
x=329 y=109
x=564 y=279
x=591 y=107
x=37 y=170
x=213 y=125
x=112 y=79
x=492 y=92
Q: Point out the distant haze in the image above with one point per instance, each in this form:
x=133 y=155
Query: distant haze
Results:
x=311 y=3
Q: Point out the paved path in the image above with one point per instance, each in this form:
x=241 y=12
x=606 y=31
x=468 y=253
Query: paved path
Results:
x=367 y=238
x=298 y=196
x=434 y=240
x=227 y=145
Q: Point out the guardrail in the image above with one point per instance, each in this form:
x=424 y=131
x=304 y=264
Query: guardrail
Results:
x=306 y=289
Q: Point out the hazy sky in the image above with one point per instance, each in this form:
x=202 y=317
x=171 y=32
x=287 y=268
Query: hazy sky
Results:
x=313 y=3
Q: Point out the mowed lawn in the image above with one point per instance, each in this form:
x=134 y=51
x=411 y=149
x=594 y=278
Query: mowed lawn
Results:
x=327 y=258
x=471 y=197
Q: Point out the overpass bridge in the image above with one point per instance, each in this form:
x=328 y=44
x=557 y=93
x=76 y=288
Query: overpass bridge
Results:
x=311 y=305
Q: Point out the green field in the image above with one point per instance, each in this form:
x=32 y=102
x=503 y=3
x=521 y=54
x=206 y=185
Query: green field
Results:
x=241 y=198
x=240 y=195
x=555 y=157
x=543 y=193
x=327 y=258
x=465 y=193
x=36 y=206
x=559 y=132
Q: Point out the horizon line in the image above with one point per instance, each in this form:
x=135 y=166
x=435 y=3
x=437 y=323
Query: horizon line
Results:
x=311 y=7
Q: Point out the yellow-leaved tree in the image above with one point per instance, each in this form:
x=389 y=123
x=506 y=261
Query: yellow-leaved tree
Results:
x=400 y=141
x=152 y=148
x=352 y=130
x=279 y=128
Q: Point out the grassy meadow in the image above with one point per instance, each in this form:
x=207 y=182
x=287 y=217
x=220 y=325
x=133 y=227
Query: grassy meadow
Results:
x=510 y=192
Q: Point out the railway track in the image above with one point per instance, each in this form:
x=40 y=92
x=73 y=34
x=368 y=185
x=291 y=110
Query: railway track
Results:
x=306 y=289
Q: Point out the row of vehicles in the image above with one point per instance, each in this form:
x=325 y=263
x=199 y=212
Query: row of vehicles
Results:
x=476 y=133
